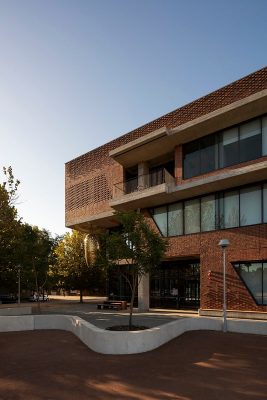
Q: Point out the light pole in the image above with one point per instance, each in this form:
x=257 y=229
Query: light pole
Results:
x=19 y=284
x=224 y=243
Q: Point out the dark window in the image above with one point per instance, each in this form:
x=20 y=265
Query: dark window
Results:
x=131 y=179
x=207 y=154
x=191 y=159
x=156 y=176
x=229 y=149
x=250 y=206
x=250 y=141
x=245 y=142
x=265 y=203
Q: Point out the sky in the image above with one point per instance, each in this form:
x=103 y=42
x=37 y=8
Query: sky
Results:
x=75 y=74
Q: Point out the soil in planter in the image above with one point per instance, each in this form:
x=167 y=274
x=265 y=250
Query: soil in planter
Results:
x=126 y=328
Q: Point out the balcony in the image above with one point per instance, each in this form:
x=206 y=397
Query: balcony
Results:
x=142 y=191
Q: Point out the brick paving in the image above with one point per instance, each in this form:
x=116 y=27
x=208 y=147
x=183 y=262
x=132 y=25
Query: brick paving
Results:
x=55 y=365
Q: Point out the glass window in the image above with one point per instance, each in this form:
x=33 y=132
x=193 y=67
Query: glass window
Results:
x=207 y=154
x=264 y=136
x=191 y=159
x=250 y=140
x=264 y=283
x=229 y=152
x=192 y=216
x=251 y=273
x=231 y=209
x=250 y=206
x=265 y=203
x=175 y=219
x=160 y=217
x=208 y=213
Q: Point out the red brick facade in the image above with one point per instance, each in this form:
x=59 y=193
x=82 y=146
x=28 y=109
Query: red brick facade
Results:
x=90 y=181
x=84 y=173
x=247 y=244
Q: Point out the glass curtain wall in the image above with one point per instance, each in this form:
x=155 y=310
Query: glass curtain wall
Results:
x=244 y=142
x=222 y=210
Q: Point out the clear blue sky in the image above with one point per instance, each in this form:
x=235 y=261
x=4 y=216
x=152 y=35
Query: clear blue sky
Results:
x=76 y=74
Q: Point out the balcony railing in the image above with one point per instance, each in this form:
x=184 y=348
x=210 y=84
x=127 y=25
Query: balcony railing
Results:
x=142 y=182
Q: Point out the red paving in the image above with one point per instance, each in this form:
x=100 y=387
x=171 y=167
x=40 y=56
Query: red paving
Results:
x=55 y=365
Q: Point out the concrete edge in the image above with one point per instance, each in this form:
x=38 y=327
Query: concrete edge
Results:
x=110 y=342
x=25 y=310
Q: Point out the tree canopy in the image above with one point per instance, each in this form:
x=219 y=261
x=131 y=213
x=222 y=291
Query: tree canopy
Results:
x=22 y=246
x=71 y=268
x=9 y=225
x=135 y=244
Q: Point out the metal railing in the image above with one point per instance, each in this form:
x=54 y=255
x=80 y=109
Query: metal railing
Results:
x=142 y=182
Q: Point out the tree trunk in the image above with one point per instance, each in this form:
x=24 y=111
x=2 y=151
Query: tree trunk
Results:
x=81 y=295
x=132 y=302
x=36 y=288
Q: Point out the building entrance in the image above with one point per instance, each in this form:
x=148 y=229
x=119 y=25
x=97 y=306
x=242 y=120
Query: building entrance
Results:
x=176 y=284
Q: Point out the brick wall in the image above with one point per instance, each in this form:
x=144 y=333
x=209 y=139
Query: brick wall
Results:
x=89 y=181
x=246 y=244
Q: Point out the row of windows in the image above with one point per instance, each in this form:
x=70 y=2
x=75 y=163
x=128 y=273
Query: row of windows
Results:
x=234 y=208
x=255 y=277
x=241 y=143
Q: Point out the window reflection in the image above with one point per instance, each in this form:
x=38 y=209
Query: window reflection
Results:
x=230 y=209
x=254 y=275
x=175 y=219
x=241 y=143
x=208 y=213
x=192 y=216
x=160 y=217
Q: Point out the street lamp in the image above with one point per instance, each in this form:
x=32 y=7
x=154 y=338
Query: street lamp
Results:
x=224 y=243
x=19 y=267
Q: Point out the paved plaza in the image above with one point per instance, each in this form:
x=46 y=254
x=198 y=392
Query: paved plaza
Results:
x=103 y=319
x=199 y=365
x=55 y=365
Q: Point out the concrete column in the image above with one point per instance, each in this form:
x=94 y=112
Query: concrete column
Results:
x=143 y=177
x=143 y=294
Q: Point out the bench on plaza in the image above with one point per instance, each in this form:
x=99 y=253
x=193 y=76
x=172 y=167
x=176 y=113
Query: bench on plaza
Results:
x=112 y=305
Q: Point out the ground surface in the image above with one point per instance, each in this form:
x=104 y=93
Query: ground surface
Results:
x=104 y=318
x=55 y=365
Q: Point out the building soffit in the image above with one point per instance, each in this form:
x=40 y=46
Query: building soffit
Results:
x=164 y=140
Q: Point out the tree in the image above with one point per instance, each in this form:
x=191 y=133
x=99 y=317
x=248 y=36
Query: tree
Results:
x=71 y=268
x=9 y=228
x=22 y=246
x=137 y=245
x=35 y=251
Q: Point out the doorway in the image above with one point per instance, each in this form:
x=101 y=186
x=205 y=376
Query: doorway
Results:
x=176 y=285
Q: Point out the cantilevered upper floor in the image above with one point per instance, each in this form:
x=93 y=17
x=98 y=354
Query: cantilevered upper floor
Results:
x=214 y=143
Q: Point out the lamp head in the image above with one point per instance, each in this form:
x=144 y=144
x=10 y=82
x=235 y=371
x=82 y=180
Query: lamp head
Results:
x=224 y=243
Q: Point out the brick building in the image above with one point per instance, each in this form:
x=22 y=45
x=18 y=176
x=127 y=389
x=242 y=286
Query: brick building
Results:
x=200 y=174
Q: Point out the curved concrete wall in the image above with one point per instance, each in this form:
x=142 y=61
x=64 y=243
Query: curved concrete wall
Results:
x=109 y=342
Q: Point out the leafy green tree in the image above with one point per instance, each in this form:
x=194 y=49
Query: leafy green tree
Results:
x=9 y=229
x=35 y=251
x=23 y=247
x=71 y=268
x=137 y=245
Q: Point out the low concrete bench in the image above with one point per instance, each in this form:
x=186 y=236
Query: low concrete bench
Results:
x=112 y=305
